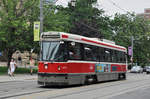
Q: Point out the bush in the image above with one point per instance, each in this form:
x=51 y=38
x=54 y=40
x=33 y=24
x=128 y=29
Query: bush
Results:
x=4 y=70
x=24 y=70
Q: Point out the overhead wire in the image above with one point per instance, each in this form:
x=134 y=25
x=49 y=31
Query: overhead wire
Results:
x=116 y=5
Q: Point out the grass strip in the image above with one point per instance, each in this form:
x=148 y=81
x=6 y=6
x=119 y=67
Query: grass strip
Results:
x=4 y=70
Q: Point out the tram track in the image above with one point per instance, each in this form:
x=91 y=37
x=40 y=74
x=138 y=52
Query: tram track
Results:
x=97 y=88
x=11 y=85
x=122 y=91
x=24 y=89
x=11 y=88
x=82 y=88
x=28 y=93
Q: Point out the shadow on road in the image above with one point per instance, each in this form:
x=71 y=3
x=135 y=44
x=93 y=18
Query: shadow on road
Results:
x=72 y=86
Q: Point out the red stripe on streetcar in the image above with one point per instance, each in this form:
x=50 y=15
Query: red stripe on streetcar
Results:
x=64 y=36
x=102 y=44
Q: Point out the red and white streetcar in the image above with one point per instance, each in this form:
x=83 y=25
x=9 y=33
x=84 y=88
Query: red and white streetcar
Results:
x=68 y=59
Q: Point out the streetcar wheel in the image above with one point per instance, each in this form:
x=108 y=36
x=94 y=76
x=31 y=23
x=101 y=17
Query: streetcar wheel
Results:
x=119 y=76
x=124 y=76
x=90 y=79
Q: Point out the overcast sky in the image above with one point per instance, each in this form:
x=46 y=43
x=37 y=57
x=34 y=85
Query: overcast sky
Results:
x=122 y=6
x=119 y=6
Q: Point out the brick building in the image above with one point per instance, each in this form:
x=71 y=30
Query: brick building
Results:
x=146 y=14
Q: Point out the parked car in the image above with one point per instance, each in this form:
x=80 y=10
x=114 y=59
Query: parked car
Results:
x=136 y=69
x=147 y=69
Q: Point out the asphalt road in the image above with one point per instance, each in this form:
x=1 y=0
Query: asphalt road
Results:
x=137 y=86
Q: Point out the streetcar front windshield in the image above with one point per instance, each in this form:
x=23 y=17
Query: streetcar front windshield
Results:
x=53 y=51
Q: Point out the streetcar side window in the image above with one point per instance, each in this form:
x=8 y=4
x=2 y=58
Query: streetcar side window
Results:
x=117 y=56
x=123 y=57
x=96 y=53
x=113 y=56
x=88 y=54
x=110 y=55
x=120 y=57
x=78 y=51
x=107 y=55
x=74 y=50
x=100 y=56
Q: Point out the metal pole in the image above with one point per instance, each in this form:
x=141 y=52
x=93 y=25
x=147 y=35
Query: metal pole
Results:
x=132 y=39
x=132 y=45
x=41 y=22
x=41 y=16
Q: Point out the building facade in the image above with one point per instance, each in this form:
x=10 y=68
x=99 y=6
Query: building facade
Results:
x=146 y=14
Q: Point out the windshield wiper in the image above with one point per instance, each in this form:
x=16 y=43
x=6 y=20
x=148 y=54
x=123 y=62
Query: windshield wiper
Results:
x=58 y=57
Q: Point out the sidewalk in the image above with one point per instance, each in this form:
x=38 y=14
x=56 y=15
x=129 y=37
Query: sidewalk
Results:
x=18 y=77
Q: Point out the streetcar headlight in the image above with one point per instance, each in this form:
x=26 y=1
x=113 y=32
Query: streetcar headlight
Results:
x=46 y=66
x=59 y=68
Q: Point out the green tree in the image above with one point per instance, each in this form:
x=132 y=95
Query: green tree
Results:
x=88 y=20
x=16 y=25
x=56 y=18
x=126 y=25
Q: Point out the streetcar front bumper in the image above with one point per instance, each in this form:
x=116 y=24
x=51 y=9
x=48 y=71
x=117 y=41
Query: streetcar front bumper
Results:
x=52 y=79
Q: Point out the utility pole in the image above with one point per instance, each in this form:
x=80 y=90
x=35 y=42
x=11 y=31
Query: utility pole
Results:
x=41 y=12
x=41 y=21
x=41 y=16
x=132 y=45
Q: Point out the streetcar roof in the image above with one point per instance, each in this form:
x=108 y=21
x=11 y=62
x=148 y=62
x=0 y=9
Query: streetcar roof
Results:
x=53 y=36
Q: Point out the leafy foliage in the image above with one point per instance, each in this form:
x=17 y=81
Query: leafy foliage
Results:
x=16 y=25
x=88 y=20
x=126 y=25
x=17 y=18
x=55 y=19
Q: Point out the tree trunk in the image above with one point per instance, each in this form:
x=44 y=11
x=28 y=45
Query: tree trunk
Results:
x=9 y=56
